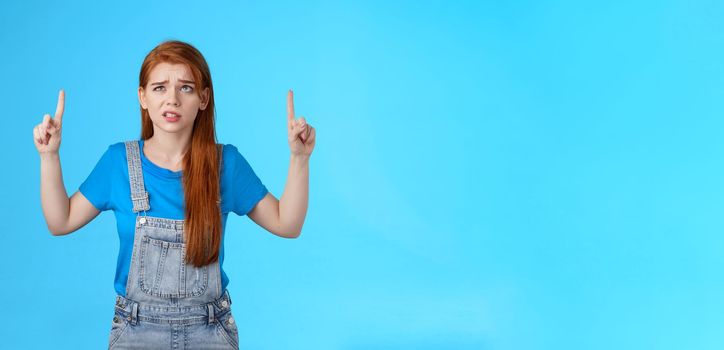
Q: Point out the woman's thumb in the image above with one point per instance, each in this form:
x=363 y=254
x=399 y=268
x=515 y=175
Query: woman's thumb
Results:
x=298 y=130
x=52 y=129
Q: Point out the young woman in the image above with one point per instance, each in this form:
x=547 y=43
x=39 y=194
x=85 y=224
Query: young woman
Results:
x=171 y=192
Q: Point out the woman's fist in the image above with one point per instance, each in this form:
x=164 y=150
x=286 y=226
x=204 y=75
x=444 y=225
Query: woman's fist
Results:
x=46 y=135
x=302 y=136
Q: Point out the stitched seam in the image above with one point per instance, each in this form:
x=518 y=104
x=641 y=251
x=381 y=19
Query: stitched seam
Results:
x=225 y=334
x=125 y=326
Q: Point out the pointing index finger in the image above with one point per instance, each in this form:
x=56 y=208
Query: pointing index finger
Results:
x=61 y=106
x=290 y=106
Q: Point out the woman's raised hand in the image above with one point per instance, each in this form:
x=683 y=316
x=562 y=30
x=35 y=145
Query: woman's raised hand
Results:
x=301 y=134
x=46 y=135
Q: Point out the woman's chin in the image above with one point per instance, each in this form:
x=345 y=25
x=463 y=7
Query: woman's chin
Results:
x=171 y=128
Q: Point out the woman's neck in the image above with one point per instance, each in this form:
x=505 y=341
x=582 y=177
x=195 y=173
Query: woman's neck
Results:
x=166 y=149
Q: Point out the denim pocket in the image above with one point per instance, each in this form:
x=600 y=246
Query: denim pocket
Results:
x=118 y=326
x=227 y=327
x=164 y=273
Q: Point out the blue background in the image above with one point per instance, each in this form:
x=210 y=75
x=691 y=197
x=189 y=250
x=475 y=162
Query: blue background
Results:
x=487 y=175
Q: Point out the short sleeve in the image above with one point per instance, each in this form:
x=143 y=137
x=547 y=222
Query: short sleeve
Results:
x=247 y=188
x=97 y=186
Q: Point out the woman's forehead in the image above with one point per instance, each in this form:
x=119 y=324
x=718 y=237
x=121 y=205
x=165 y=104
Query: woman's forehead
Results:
x=170 y=71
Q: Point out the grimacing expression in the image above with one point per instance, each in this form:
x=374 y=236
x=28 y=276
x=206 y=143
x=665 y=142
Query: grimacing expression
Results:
x=171 y=97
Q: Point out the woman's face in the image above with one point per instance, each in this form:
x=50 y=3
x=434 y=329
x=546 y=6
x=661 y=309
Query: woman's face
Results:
x=171 y=98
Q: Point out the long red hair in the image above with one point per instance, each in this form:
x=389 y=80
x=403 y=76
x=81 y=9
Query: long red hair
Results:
x=201 y=162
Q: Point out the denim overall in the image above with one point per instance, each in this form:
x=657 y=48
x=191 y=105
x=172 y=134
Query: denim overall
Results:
x=169 y=303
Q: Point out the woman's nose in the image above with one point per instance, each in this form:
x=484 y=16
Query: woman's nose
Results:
x=172 y=99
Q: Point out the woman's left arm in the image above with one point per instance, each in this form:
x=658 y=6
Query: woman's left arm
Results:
x=285 y=218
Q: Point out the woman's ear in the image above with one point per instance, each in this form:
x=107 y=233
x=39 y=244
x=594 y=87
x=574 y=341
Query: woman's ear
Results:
x=142 y=97
x=204 y=99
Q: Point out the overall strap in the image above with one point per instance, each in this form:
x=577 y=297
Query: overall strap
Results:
x=220 y=150
x=139 y=196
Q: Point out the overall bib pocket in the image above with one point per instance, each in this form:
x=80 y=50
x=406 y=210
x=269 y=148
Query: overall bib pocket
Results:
x=164 y=273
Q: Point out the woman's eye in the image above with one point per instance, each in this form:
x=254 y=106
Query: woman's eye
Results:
x=185 y=88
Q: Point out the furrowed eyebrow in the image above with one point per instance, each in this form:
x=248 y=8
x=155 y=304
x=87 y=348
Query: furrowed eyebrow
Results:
x=181 y=80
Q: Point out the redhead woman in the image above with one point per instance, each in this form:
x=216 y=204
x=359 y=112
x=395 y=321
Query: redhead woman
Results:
x=171 y=191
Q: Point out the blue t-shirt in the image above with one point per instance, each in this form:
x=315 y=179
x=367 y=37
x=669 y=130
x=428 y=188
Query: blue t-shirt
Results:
x=107 y=188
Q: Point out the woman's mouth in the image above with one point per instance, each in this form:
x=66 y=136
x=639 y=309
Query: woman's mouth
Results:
x=171 y=117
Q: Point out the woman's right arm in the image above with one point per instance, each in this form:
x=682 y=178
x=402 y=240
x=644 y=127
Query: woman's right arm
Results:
x=63 y=215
